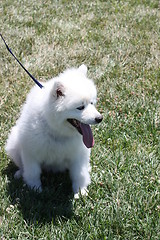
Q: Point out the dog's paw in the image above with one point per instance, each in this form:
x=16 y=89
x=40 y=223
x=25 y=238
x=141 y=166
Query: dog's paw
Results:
x=36 y=186
x=18 y=174
x=37 y=189
x=82 y=192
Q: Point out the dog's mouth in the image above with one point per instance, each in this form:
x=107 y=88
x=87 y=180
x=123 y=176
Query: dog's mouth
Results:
x=84 y=130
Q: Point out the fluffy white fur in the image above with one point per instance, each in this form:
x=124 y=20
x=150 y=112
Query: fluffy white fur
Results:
x=42 y=136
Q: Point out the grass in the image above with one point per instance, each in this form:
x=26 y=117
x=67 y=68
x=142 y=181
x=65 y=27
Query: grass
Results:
x=119 y=42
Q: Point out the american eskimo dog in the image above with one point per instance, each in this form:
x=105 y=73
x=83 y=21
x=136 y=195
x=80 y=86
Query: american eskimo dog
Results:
x=54 y=131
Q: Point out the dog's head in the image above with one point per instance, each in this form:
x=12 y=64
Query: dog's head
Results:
x=73 y=98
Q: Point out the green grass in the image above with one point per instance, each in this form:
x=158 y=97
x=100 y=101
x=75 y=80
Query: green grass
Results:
x=119 y=41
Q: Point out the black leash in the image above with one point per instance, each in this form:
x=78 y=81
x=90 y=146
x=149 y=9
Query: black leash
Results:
x=34 y=79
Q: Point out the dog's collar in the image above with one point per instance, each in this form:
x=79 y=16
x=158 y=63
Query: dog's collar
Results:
x=33 y=78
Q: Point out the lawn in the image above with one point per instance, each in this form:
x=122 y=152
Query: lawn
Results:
x=119 y=41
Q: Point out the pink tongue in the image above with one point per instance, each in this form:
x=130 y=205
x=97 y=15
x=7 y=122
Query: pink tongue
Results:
x=87 y=135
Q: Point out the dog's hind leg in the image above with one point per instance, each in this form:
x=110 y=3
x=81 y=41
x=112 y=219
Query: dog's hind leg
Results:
x=13 y=147
x=13 y=150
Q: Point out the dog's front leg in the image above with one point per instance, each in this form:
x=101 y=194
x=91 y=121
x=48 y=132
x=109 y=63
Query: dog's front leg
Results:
x=80 y=177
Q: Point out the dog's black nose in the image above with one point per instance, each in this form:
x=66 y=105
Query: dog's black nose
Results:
x=99 y=119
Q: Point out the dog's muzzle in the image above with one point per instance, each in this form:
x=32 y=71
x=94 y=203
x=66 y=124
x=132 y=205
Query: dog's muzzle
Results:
x=85 y=130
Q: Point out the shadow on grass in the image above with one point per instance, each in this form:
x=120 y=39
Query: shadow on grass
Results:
x=54 y=201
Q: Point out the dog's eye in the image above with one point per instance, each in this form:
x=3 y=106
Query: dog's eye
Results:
x=81 y=107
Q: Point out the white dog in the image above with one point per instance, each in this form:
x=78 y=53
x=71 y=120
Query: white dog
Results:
x=53 y=130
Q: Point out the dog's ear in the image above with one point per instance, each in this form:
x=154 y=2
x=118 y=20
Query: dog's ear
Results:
x=83 y=69
x=58 y=90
